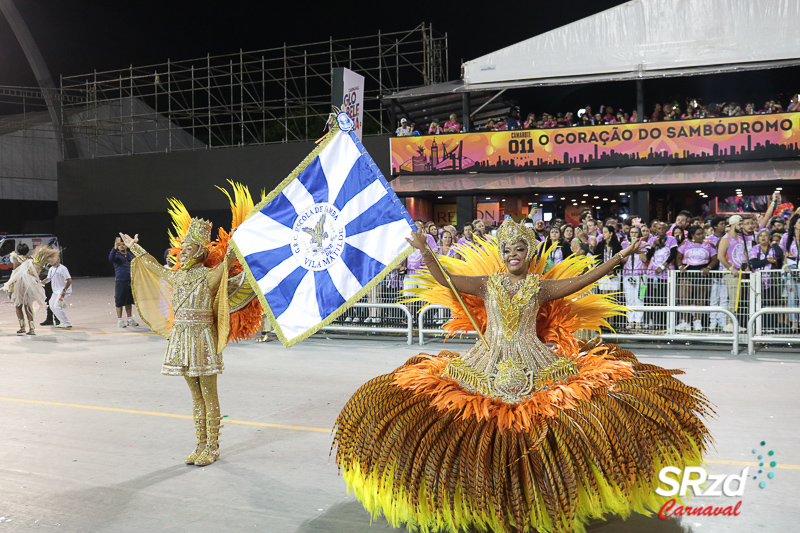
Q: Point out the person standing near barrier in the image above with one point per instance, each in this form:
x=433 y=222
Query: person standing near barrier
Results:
x=660 y=260
x=790 y=243
x=719 y=290
x=479 y=228
x=632 y=276
x=123 y=296
x=605 y=250
x=681 y=221
x=765 y=256
x=696 y=258
x=61 y=281
x=468 y=235
x=562 y=250
x=733 y=253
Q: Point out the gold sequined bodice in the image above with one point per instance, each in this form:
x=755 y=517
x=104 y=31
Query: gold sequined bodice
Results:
x=509 y=366
x=191 y=297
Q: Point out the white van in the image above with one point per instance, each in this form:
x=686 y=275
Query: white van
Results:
x=9 y=243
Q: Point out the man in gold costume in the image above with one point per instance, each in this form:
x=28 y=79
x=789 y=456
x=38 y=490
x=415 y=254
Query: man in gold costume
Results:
x=201 y=299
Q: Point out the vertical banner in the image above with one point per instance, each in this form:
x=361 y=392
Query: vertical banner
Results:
x=348 y=94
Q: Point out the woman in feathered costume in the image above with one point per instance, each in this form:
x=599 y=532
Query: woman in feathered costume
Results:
x=24 y=287
x=200 y=304
x=531 y=429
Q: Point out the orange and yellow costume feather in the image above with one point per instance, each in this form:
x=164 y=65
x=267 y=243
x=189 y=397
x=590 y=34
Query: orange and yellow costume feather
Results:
x=421 y=449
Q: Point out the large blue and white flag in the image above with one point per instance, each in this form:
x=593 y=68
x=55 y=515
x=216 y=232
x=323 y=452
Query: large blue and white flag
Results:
x=323 y=238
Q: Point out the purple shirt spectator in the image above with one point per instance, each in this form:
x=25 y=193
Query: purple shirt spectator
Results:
x=697 y=254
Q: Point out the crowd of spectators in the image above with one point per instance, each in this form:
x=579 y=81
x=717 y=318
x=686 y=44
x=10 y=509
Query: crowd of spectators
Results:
x=606 y=114
x=714 y=257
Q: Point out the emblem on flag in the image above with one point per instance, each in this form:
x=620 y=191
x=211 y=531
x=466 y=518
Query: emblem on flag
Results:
x=323 y=238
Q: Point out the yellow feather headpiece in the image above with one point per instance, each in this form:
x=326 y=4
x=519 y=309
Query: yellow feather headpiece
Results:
x=511 y=232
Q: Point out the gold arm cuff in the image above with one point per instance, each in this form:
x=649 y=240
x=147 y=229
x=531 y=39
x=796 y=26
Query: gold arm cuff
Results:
x=137 y=250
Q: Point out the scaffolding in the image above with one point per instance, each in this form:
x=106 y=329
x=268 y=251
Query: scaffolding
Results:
x=279 y=94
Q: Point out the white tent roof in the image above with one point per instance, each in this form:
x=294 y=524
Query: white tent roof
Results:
x=642 y=36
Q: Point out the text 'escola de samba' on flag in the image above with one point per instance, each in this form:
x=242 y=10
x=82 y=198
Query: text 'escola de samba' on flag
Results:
x=323 y=238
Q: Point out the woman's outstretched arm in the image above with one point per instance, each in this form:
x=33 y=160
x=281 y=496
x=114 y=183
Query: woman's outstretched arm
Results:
x=474 y=285
x=553 y=289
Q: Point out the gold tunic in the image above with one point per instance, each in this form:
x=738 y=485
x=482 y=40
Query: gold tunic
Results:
x=515 y=362
x=197 y=326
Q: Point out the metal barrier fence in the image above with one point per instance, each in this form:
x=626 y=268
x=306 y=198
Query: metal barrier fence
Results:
x=753 y=337
x=376 y=327
x=715 y=307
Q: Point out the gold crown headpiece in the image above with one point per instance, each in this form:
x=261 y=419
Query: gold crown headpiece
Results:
x=198 y=232
x=511 y=232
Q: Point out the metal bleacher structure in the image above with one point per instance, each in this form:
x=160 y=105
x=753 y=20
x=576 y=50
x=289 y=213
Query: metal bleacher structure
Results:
x=251 y=97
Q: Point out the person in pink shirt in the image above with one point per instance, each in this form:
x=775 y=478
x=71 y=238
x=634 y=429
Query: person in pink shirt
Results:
x=766 y=257
x=719 y=291
x=434 y=128
x=733 y=252
x=661 y=258
x=790 y=244
x=794 y=104
x=609 y=117
x=633 y=272
x=696 y=258
x=452 y=125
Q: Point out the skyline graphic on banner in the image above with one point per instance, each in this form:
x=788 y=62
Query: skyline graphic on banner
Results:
x=690 y=141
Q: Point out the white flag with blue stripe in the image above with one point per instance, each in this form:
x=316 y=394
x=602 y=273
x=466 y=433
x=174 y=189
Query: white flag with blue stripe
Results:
x=323 y=238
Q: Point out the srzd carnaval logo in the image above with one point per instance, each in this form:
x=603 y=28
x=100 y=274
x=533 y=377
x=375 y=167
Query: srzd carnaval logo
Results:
x=718 y=485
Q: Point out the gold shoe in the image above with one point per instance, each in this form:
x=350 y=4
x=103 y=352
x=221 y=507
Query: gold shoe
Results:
x=21 y=330
x=211 y=451
x=31 y=331
x=200 y=431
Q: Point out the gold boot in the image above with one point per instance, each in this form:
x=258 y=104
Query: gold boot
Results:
x=21 y=330
x=200 y=431
x=31 y=330
x=211 y=452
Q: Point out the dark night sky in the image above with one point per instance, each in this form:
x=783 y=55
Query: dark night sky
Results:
x=78 y=36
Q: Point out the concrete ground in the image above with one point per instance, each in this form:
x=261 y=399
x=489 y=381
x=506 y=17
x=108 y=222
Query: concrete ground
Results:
x=92 y=437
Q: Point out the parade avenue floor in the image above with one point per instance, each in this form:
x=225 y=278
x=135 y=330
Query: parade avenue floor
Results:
x=92 y=437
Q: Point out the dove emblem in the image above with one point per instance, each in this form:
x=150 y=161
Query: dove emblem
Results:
x=318 y=237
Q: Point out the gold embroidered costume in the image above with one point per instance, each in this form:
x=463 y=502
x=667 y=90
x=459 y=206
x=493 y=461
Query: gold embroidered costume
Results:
x=196 y=317
x=199 y=308
x=515 y=435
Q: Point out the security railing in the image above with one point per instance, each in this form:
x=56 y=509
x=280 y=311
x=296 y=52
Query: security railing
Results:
x=378 y=327
x=753 y=336
x=689 y=306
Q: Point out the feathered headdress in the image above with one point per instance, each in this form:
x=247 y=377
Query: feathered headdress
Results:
x=511 y=232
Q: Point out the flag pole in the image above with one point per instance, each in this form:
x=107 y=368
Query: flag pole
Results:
x=455 y=293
